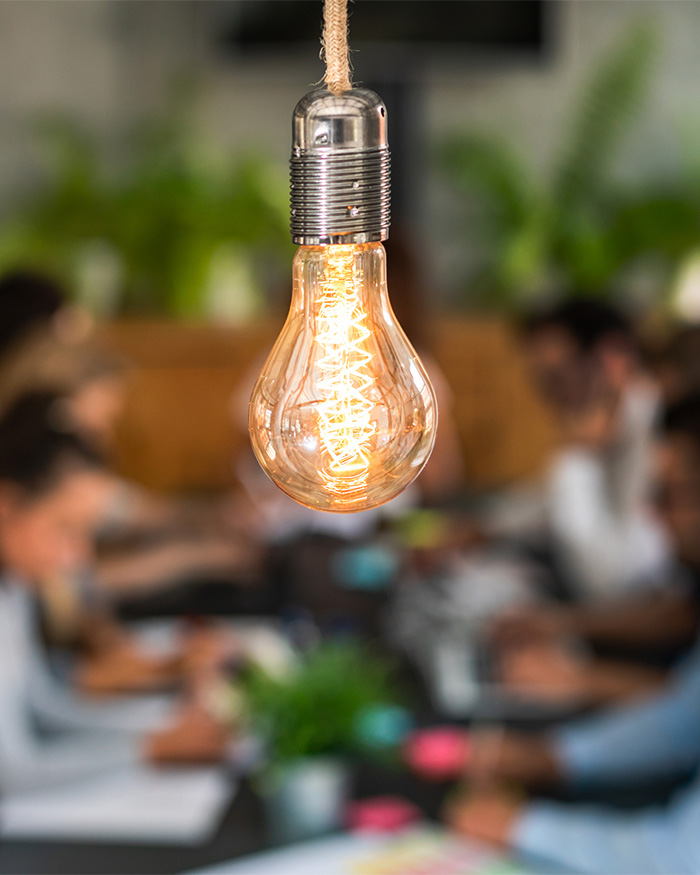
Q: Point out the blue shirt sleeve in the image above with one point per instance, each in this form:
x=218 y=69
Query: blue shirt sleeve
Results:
x=653 y=738
x=600 y=842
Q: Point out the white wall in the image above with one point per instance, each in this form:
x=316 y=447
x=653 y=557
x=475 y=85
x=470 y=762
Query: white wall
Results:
x=109 y=62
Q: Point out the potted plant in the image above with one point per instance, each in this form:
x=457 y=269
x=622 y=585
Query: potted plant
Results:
x=176 y=227
x=335 y=702
x=576 y=227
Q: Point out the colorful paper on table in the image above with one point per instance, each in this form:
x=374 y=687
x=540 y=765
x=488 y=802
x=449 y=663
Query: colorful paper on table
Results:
x=417 y=851
x=135 y=806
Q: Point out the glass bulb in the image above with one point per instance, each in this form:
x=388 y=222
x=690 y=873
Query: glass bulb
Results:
x=343 y=415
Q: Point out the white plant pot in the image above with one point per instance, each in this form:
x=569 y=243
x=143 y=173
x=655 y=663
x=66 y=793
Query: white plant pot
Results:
x=308 y=799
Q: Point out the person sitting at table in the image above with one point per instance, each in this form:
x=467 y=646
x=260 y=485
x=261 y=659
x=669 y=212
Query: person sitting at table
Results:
x=590 y=519
x=148 y=541
x=53 y=488
x=662 y=623
x=656 y=738
x=78 y=614
x=584 y=359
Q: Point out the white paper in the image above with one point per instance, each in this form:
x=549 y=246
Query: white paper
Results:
x=135 y=806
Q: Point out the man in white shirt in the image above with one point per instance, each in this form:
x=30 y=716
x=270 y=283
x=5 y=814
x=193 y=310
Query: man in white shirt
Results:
x=584 y=359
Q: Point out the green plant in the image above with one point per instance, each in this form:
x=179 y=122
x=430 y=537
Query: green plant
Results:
x=153 y=217
x=576 y=230
x=315 y=709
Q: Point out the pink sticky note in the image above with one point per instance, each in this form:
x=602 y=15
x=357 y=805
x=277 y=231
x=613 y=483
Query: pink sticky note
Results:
x=381 y=814
x=440 y=753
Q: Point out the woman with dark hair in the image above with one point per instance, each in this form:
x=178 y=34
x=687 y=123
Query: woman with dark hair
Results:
x=27 y=301
x=151 y=542
x=44 y=340
x=53 y=489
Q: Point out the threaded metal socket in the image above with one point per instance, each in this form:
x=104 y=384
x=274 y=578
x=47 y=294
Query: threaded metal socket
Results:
x=339 y=169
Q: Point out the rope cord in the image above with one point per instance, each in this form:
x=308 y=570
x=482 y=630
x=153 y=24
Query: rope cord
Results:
x=335 y=50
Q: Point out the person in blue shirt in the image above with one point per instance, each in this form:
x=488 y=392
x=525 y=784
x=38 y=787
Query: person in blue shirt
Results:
x=654 y=738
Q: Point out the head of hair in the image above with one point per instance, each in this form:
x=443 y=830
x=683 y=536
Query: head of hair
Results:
x=586 y=321
x=27 y=301
x=678 y=355
x=38 y=446
x=683 y=418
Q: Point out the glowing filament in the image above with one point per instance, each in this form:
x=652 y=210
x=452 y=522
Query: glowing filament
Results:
x=344 y=409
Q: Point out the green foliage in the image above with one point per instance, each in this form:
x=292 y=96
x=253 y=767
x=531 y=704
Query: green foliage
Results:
x=608 y=104
x=163 y=208
x=576 y=230
x=315 y=709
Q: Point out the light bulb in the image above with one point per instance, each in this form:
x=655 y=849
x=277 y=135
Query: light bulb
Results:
x=343 y=416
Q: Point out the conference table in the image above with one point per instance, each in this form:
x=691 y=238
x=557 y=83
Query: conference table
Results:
x=242 y=831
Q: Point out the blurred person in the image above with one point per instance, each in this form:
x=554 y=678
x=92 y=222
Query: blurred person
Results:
x=44 y=344
x=651 y=740
x=30 y=302
x=77 y=614
x=661 y=622
x=591 y=519
x=584 y=359
x=53 y=487
x=657 y=739
x=43 y=338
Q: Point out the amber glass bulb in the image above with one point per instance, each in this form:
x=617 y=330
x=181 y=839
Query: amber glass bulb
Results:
x=343 y=415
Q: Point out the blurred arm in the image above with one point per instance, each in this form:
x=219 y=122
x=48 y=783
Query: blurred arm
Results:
x=598 y=841
x=661 y=618
x=163 y=564
x=55 y=704
x=61 y=708
x=658 y=737
x=26 y=762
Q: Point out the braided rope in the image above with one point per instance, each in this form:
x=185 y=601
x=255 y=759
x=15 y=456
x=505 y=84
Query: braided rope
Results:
x=335 y=50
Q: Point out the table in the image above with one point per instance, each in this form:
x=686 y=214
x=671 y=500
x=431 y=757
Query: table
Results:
x=242 y=832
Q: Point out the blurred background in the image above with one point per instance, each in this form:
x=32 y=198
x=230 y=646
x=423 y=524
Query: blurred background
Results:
x=544 y=259
x=537 y=147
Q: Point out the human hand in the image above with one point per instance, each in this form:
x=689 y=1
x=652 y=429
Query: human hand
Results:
x=489 y=816
x=193 y=737
x=124 y=669
x=545 y=672
x=498 y=755
x=532 y=623
x=207 y=648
